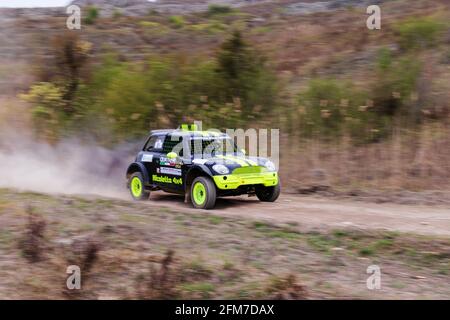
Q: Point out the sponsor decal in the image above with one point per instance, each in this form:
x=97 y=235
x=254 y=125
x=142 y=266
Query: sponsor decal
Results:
x=172 y=171
x=166 y=179
x=158 y=144
x=168 y=162
x=163 y=161
x=200 y=161
x=147 y=158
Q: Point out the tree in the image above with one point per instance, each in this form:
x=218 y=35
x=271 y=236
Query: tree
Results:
x=71 y=55
x=245 y=76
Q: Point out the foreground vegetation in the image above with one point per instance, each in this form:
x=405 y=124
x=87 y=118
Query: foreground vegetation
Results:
x=131 y=250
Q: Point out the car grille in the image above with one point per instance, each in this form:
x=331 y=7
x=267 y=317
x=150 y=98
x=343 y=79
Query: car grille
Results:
x=251 y=170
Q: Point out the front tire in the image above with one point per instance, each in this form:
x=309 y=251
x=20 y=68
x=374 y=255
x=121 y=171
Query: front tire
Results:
x=268 y=194
x=203 y=193
x=136 y=186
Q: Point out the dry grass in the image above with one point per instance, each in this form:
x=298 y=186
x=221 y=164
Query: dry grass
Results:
x=409 y=160
x=286 y=288
x=33 y=243
x=161 y=281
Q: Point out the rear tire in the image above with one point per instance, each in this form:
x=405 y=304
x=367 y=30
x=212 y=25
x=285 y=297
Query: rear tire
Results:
x=136 y=186
x=203 y=193
x=268 y=194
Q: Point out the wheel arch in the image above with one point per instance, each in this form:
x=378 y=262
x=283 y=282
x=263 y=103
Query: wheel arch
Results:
x=194 y=172
x=138 y=167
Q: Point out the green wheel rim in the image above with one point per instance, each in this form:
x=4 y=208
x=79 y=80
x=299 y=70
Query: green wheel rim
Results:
x=136 y=187
x=199 y=193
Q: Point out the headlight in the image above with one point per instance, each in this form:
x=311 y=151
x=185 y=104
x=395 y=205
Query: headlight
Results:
x=220 y=168
x=270 y=166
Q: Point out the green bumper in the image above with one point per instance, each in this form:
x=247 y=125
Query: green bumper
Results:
x=233 y=181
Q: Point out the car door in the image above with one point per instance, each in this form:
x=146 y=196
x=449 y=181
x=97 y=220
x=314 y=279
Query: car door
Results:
x=169 y=168
x=150 y=154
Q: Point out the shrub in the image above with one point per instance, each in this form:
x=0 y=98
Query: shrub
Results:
x=177 y=21
x=60 y=101
x=70 y=55
x=32 y=244
x=330 y=108
x=395 y=82
x=286 y=288
x=216 y=9
x=130 y=97
x=46 y=95
x=322 y=101
x=152 y=12
x=418 y=33
x=91 y=15
x=84 y=252
x=48 y=108
x=161 y=281
x=125 y=103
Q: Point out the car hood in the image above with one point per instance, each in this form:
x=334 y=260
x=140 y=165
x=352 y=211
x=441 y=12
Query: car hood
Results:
x=232 y=161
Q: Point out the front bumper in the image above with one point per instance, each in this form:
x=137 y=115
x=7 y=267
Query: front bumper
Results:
x=233 y=181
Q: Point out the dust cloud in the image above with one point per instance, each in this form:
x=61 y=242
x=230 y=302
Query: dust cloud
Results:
x=70 y=167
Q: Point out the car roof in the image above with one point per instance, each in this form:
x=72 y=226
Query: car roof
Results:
x=191 y=133
x=161 y=131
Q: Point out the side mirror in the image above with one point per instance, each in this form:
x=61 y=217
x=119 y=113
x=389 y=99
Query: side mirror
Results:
x=243 y=151
x=172 y=155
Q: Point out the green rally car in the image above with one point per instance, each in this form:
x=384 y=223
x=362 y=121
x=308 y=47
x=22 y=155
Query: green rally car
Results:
x=202 y=165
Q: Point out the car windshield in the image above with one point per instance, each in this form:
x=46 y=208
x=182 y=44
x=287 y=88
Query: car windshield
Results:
x=207 y=147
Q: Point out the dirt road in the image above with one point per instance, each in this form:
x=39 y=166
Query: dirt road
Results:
x=325 y=213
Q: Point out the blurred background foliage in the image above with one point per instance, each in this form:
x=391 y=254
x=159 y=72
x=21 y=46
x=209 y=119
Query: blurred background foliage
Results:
x=228 y=90
x=359 y=106
x=117 y=100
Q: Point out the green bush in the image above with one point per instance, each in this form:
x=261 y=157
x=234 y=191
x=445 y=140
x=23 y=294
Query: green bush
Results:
x=131 y=98
x=396 y=81
x=367 y=116
x=330 y=108
x=48 y=108
x=322 y=101
x=177 y=21
x=217 y=9
x=122 y=100
x=418 y=33
x=47 y=95
x=91 y=15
